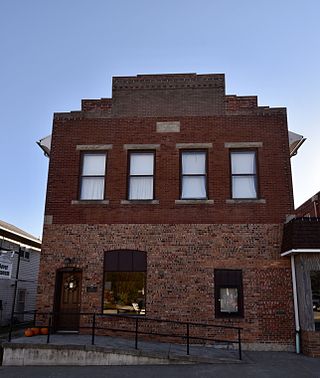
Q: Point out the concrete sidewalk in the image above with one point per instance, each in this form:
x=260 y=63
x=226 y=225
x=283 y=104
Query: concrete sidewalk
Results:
x=254 y=364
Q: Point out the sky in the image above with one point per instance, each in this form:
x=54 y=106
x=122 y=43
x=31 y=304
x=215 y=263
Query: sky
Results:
x=54 y=53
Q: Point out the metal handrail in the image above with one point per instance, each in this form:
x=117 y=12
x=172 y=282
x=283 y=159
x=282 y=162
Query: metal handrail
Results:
x=93 y=326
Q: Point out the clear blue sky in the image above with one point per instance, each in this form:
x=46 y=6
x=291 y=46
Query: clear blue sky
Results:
x=54 y=53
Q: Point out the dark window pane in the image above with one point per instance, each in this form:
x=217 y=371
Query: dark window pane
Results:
x=139 y=262
x=228 y=277
x=111 y=261
x=125 y=261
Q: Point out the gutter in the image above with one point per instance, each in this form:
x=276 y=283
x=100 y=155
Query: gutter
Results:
x=296 y=251
x=295 y=304
x=292 y=253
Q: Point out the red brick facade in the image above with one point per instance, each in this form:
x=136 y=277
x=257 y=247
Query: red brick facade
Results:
x=310 y=343
x=310 y=208
x=184 y=242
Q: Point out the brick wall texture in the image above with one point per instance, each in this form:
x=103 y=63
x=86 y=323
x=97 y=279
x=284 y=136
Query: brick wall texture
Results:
x=184 y=242
x=310 y=343
x=310 y=208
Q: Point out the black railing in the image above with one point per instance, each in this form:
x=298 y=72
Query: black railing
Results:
x=139 y=327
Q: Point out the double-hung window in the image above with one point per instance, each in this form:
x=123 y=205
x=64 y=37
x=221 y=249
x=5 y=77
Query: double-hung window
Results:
x=93 y=172
x=193 y=175
x=244 y=181
x=141 y=175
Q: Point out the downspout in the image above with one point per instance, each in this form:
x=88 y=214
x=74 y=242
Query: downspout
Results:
x=295 y=303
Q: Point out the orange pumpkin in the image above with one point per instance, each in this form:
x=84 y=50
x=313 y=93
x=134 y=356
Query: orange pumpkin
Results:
x=35 y=331
x=44 y=331
x=28 y=332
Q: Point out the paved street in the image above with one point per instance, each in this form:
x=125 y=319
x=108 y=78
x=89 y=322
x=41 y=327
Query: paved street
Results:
x=259 y=364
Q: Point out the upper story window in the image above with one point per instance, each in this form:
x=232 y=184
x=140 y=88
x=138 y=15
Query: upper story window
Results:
x=244 y=183
x=193 y=175
x=93 y=176
x=25 y=254
x=141 y=175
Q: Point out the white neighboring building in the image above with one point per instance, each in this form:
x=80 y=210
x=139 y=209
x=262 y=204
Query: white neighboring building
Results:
x=13 y=240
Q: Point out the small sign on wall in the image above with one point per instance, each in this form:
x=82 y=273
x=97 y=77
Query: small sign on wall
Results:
x=92 y=289
x=5 y=268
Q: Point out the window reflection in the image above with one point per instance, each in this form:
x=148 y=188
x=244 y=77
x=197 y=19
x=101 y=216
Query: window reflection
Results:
x=228 y=299
x=124 y=292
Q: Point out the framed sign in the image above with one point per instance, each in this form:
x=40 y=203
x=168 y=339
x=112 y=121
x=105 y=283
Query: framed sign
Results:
x=5 y=268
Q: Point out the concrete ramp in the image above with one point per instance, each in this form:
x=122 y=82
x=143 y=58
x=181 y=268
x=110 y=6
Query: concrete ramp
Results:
x=77 y=350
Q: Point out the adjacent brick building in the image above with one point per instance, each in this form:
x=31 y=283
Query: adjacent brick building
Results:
x=301 y=243
x=310 y=208
x=168 y=200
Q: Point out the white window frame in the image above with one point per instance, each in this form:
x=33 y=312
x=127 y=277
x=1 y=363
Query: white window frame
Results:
x=248 y=175
x=193 y=175
x=133 y=176
x=87 y=177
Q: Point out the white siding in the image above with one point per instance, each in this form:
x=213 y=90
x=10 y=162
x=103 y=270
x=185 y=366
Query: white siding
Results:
x=27 y=280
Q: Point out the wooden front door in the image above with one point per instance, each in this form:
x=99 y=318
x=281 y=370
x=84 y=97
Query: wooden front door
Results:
x=68 y=300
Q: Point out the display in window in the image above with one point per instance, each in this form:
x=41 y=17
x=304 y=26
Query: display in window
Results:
x=124 y=293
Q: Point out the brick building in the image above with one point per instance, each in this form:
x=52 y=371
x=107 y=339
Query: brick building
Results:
x=310 y=208
x=301 y=243
x=168 y=200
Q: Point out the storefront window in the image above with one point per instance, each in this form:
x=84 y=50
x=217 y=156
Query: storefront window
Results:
x=315 y=287
x=124 y=292
x=125 y=282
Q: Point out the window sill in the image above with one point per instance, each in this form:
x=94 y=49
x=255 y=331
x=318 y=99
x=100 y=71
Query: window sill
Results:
x=229 y=316
x=122 y=314
x=139 y=202
x=90 y=202
x=194 y=202
x=233 y=201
